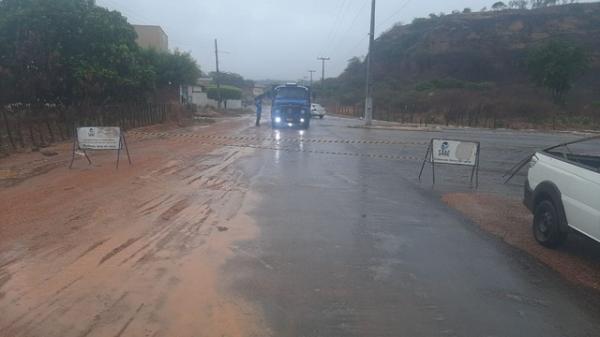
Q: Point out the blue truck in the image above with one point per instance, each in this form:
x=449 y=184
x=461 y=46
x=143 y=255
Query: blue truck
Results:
x=291 y=106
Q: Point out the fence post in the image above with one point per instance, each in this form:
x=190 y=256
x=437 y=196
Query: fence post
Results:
x=41 y=133
x=31 y=137
x=132 y=117
x=50 y=132
x=8 y=132
x=1 y=142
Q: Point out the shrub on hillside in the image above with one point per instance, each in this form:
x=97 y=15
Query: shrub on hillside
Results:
x=452 y=83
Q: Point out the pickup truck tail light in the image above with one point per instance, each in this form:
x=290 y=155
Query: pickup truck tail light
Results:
x=533 y=161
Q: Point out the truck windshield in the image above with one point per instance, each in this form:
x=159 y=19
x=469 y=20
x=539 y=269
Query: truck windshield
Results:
x=292 y=93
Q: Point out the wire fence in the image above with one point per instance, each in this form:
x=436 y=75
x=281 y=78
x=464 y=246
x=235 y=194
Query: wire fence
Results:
x=476 y=116
x=27 y=126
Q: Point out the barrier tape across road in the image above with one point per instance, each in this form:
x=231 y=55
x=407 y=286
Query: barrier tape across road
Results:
x=282 y=140
x=218 y=140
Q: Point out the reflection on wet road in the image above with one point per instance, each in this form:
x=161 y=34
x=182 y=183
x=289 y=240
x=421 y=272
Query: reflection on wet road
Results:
x=357 y=247
x=232 y=230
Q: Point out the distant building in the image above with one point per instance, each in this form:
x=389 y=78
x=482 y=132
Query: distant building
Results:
x=152 y=37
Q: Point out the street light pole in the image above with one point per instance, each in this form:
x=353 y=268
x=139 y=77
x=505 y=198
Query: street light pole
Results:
x=369 y=84
x=218 y=79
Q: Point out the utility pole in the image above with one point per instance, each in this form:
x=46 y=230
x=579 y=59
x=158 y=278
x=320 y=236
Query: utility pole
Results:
x=369 y=89
x=218 y=79
x=311 y=76
x=323 y=59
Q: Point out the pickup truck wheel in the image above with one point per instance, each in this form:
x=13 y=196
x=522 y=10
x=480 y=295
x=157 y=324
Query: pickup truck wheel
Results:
x=546 y=225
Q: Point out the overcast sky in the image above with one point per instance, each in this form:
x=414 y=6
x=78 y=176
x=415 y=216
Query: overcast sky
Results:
x=276 y=39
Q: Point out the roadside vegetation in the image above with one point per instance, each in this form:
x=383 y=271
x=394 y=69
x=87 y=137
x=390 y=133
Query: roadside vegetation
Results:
x=516 y=64
x=71 y=51
x=224 y=93
x=66 y=62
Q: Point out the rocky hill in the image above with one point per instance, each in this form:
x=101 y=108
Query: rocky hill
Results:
x=472 y=65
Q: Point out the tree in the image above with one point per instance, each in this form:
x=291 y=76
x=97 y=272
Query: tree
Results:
x=231 y=79
x=69 y=50
x=556 y=66
x=547 y=3
x=227 y=92
x=72 y=51
x=467 y=10
x=499 y=6
x=172 y=68
x=518 y=4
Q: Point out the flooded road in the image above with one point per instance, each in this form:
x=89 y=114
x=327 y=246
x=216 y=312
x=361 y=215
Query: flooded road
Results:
x=134 y=252
x=231 y=230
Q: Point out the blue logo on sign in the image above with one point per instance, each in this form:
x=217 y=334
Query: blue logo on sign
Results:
x=444 y=150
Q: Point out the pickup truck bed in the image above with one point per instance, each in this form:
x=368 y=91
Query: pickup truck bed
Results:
x=563 y=191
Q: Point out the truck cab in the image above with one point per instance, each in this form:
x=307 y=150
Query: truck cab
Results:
x=291 y=106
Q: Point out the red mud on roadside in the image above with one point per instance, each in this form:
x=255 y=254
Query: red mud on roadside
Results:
x=578 y=261
x=96 y=251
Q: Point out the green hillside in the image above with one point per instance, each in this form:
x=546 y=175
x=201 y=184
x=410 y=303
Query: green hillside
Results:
x=471 y=68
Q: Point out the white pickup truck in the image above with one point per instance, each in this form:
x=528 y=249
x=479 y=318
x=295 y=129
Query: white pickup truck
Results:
x=563 y=191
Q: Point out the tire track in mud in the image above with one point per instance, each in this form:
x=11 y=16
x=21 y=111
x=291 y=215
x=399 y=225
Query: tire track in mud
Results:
x=120 y=333
x=174 y=215
x=118 y=249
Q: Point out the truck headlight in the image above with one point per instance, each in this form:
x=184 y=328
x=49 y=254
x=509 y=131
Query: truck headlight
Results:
x=301 y=120
x=277 y=119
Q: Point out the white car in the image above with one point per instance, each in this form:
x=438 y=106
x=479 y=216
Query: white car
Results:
x=563 y=191
x=317 y=110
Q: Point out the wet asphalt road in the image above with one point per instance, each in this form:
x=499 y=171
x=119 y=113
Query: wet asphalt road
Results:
x=351 y=244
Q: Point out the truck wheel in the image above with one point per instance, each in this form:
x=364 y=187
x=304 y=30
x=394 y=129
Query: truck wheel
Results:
x=546 y=225
x=321 y=117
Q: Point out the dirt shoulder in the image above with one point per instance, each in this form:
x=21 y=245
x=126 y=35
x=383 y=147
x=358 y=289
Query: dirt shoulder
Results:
x=138 y=251
x=578 y=261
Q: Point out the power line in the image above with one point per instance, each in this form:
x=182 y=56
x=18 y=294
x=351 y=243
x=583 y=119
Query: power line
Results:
x=338 y=27
x=354 y=20
x=351 y=50
x=334 y=25
x=406 y=2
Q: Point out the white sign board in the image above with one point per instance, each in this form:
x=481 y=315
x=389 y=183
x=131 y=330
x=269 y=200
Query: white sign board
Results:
x=455 y=152
x=99 y=138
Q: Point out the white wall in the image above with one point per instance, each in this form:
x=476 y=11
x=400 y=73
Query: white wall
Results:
x=234 y=104
x=196 y=96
